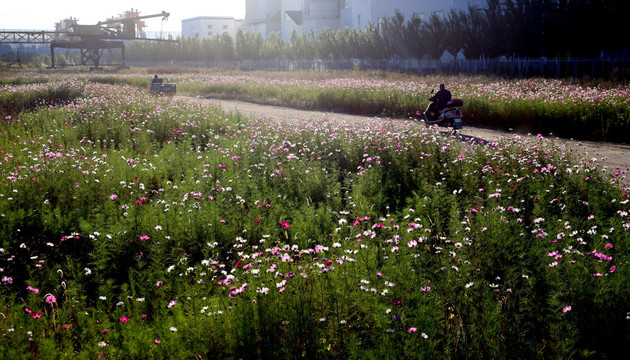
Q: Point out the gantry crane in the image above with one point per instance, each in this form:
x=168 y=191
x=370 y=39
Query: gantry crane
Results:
x=127 y=26
x=91 y=40
x=94 y=39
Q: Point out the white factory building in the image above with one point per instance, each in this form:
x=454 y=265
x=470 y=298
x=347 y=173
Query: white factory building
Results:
x=210 y=26
x=284 y=16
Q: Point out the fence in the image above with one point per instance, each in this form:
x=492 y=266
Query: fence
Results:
x=604 y=68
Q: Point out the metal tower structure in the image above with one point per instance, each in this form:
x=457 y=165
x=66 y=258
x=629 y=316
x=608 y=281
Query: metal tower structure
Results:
x=91 y=40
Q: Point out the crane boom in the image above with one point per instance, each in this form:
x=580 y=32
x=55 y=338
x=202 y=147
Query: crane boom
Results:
x=163 y=14
x=92 y=40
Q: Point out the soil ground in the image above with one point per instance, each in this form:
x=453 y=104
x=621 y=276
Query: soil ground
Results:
x=611 y=157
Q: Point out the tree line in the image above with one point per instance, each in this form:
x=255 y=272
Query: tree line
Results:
x=512 y=28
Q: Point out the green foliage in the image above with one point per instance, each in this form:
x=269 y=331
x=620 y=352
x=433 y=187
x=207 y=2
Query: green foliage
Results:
x=169 y=229
x=513 y=28
x=33 y=94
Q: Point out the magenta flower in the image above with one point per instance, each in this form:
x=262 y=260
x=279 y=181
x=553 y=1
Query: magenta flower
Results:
x=36 y=315
x=566 y=309
x=30 y=288
x=285 y=225
x=412 y=330
x=124 y=319
x=113 y=197
x=51 y=299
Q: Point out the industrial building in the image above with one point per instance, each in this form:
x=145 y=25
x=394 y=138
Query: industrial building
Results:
x=210 y=26
x=282 y=17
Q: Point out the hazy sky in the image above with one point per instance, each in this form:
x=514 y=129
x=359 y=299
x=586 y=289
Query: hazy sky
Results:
x=43 y=14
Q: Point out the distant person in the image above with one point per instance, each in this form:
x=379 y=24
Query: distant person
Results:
x=442 y=97
x=156 y=80
x=438 y=102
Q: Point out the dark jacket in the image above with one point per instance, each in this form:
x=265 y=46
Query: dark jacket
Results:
x=442 y=97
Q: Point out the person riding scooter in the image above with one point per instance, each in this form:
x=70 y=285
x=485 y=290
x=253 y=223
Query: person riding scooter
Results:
x=438 y=102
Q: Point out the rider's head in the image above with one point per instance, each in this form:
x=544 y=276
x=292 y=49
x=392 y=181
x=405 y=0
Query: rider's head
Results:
x=441 y=86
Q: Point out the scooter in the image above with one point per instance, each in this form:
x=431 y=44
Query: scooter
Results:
x=450 y=116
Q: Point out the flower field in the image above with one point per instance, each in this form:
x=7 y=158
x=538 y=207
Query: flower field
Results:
x=135 y=226
x=593 y=112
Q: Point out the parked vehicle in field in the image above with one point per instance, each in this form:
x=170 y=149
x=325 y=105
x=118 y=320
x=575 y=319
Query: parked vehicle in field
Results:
x=158 y=86
x=443 y=110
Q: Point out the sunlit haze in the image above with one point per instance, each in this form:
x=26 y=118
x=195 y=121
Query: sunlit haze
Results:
x=42 y=15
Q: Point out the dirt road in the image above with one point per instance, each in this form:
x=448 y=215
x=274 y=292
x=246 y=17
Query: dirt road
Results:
x=612 y=157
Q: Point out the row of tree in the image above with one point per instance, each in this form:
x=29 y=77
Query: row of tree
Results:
x=512 y=28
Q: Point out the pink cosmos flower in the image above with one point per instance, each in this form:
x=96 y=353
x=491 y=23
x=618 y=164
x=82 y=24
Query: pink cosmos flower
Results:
x=36 y=315
x=566 y=309
x=113 y=197
x=285 y=225
x=51 y=299
x=124 y=319
x=412 y=330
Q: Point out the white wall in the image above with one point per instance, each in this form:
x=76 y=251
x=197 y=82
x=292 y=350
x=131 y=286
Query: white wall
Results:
x=357 y=14
x=365 y=11
x=287 y=24
x=208 y=27
x=259 y=15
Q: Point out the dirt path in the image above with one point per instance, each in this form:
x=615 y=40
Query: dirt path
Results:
x=609 y=155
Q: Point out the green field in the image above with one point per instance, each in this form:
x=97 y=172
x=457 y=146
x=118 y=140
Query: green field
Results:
x=135 y=226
